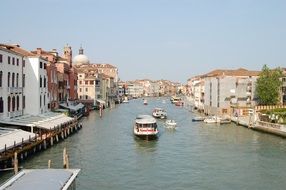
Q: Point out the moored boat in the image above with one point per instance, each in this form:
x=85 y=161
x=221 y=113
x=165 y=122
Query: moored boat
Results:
x=159 y=113
x=145 y=127
x=145 y=102
x=199 y=118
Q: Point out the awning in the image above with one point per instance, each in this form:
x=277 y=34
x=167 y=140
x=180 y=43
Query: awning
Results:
x=100 y=101
x=10 y=136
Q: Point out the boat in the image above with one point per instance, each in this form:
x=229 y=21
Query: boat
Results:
x=225 y=121
x=159 y=113
x=212 y=119
x=145 y=127
x=170 y=123
x=163 y=101
x=175 y=99
x=199 y=118
x=145 y=102
x=179 y=103
x=125 y=100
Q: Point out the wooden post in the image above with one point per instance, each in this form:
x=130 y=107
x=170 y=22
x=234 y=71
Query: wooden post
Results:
x=64 y=158
x=49 y=164
x=15 y=163
x=67 y=161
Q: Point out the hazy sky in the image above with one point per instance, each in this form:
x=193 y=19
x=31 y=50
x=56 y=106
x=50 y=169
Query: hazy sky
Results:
x=156 y=39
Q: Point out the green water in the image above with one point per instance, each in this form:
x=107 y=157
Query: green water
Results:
x=194 y=156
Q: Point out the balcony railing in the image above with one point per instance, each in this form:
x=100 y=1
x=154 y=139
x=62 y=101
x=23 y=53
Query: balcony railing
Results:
x=14 y=89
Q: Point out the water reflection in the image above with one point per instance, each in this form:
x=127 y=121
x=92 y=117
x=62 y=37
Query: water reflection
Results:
x=143 y=145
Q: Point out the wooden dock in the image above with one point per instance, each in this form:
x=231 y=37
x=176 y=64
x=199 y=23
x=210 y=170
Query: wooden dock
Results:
x=44 y=140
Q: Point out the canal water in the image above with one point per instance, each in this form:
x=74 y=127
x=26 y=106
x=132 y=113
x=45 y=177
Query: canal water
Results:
x=193 y=156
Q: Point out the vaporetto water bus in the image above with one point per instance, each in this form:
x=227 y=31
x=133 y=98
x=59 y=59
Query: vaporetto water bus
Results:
x=145 y=127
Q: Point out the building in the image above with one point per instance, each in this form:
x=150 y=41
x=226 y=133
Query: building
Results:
x=229 y=91
x=12 y=98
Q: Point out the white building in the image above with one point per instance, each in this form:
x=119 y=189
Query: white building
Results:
x=229 y=91
x=11 y=86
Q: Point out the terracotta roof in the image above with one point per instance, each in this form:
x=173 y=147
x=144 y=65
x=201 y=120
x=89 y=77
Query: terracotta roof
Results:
x=17 y=49
x=237 y=72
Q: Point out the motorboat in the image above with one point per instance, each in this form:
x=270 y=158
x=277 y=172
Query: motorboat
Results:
x=145 y=102
x=159 y=113
x=199 y=118
x=175 y=99
x=170 y=123
x=125 y=100
x=212 y=119
x=145 y=127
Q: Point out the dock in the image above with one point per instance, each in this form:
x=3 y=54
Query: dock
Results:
x=33 y=135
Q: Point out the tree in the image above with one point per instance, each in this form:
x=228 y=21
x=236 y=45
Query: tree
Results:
x=268 y=86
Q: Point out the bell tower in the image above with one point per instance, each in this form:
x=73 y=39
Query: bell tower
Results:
x=68 y=54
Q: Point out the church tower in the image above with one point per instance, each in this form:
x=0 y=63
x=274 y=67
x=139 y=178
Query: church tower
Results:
x=68 y=54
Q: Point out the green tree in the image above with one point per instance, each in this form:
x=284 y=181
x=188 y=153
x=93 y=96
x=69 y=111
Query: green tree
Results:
x=268 y=86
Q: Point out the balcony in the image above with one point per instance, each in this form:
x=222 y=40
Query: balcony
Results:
x=14 y=89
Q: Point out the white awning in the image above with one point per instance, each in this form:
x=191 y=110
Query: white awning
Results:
x=10 y=136
x=100 y=101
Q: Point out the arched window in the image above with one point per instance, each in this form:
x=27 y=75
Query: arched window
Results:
x=17 y=80
x=1 y=105
x=13 y=103
x=40 y=101
x=8 y=79
x=1 y=74
x=9 y=103
x=13 y=79
x=17 y=102
x=40 y=82
x=44 y=100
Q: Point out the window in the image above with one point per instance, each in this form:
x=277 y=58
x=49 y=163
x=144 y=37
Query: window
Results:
x=44 y=100
x=86 y=82
x=17 y=62
x=86 y=97
x=40 y=82
x=13 y=79
x=41 y=65
x=45 y=82
x=1 y=105
x=80 y=82
x=13 y=103
x=8 y=79
x=91 y=82
x=1 y=74
x=9 y=102
x=18 y=103
x=1 y=58
x=24 y=102
x=79 y=89
x=86 y=89
x=17 y=80
x=45 y=66
x=9 y=59
x=23 y=80
x=13 y=61
x=40 y=101
x=97 y=82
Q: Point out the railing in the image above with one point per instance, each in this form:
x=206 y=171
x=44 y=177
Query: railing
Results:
x=14 y=89
x=270 y=125
x=259 y=108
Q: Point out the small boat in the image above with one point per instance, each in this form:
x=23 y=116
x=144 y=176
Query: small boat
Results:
x=125 y=100
x=163 y=101
x=159 y=113
x=199 y=118
x=145 y=127
x=212 y=119
x=145 y=102
x=170 y=123
x=179 y=103
x=225 y=121
x=175 y=99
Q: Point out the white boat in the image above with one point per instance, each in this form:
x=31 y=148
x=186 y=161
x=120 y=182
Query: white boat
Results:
x=125 y=100
x=159 y=113
x=170 y=123
x=212 y=119
x=175 y=99
x=145 y=127
x=145 y=102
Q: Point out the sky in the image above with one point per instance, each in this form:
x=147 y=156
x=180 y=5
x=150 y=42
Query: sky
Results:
x=154 y=39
